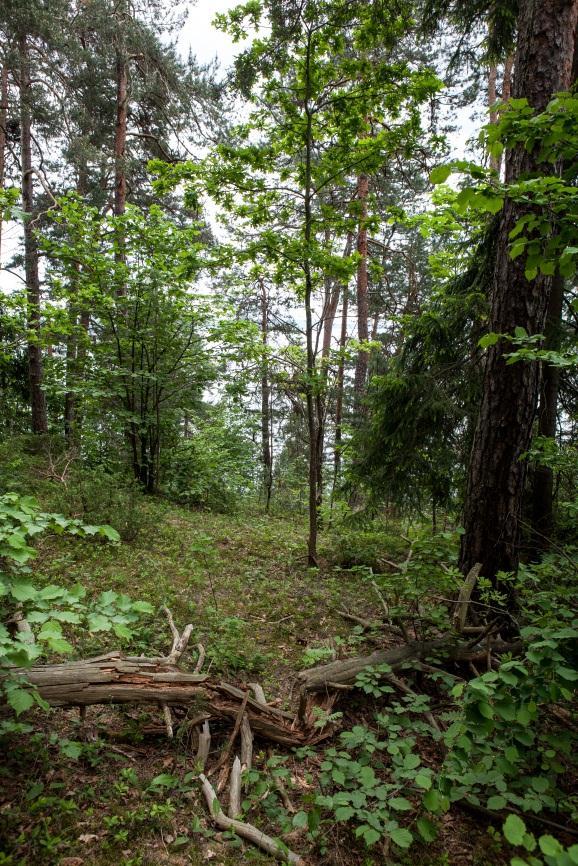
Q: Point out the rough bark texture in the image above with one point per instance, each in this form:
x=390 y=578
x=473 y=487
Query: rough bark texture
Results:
x=120 y=133
x=362 y=293
x=543 y=480
x=266 y=449
x=35 y=371
x=497 y=474
x=339 y=392
x=3 y=116
x=117 y=679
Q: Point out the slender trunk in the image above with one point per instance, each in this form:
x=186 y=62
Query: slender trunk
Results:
x=120 y=133
x=266 y=450
x=312 y=420
x=75 y=350
x=3 y=118
x=507 y=81
x=543 y=480
x=362 y=294
x=339 y=393
x=35 y=369
x=497 y=470
x=119 y=162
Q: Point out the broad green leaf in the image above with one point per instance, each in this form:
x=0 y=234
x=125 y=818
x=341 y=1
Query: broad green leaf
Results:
x=514 y=830
x=401 y=837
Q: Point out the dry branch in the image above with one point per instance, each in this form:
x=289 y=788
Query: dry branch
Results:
x=246 y=831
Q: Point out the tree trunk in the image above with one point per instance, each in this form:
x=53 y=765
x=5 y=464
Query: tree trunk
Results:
x=543 y=480
x=339 y=393
x=497 y=473
x=35 y=369
x=266 y=443
x=120 y=133
x=362 y=294
x=3 y=118
x=492 y=97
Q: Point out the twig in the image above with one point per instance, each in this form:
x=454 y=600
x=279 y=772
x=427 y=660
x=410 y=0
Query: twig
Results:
x=235 y=789
x=465 y=594
x=246 y=744
x=204 y=746
x=201 y=658
x=403 y=687
x=227 y=750
x=246 y=831
x=174 y=631
x=168 y=721
x=257 y=690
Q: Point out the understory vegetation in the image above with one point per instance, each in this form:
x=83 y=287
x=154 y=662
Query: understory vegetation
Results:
x=289 y=451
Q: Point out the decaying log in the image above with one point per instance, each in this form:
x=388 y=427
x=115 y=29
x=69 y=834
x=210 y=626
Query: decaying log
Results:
x=117 y=679
x=344 y=672
x=204 y=746
x=463 y=602
x=246 y=831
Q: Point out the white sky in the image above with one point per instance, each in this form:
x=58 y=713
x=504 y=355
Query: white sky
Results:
x=202 y=38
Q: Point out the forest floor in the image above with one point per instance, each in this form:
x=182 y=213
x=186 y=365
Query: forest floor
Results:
x=117 y=790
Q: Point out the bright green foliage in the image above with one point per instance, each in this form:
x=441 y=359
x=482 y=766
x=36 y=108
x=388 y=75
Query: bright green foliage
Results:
x=546 y=233
x=553 y=853
x=47 y=609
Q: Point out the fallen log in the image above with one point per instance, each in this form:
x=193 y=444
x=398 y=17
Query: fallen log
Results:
x=344 y=672
x=117 y=679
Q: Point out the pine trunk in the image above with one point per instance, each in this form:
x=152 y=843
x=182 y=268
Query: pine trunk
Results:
x=362 y=294
x=543 y=480
x=266 y=450
x=497 y=472
x=3 y=119
x=35 y=368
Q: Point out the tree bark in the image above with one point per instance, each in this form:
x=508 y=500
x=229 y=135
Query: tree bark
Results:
x=117 y=679
x=543 y=478
x=339 y=393
x=497 y=473
x=362 y=295
x=3 y=119
x=266 y=449
x=35 y=367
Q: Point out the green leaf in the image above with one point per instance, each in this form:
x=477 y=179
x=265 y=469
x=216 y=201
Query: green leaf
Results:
x=110 y=533
x=19 y=699
x=440 y=174
x=344 y=813
x=514 y=830
x=485 y=342
x=300 y=820
x=400 y=804
x=71 y=749
x=423 y=781
x=497 y=802
x=98 y=622
x=22 y=591
x=371 y=836
x=427 y=829
x=164 y=780
x=549 y=846
x=401 y=837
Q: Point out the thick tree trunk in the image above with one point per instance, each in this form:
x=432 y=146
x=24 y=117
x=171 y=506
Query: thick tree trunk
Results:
x=3 y=119
x=497 y=473
x=543 y=479
x=35 y=369
x=362 y=294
